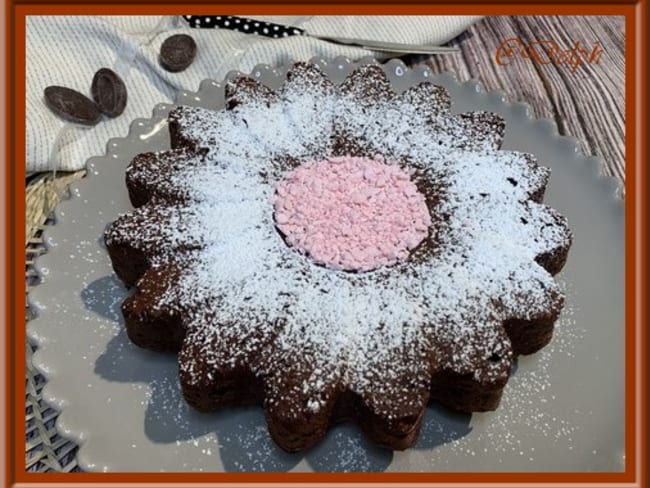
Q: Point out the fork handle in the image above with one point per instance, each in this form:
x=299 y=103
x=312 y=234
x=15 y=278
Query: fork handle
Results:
x=242 y=24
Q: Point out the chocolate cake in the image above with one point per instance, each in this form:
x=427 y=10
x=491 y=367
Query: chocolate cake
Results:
x=339 y=253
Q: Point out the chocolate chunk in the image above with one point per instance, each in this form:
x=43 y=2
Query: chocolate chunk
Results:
x=177 y=52
x=71 y=105
x=109 y=92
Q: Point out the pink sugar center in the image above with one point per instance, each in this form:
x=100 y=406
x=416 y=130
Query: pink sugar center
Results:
x=351 y=213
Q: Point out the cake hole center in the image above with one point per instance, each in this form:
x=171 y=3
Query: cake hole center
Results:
x=351 y=213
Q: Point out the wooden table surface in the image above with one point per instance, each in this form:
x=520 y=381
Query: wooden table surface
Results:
x=587 y=103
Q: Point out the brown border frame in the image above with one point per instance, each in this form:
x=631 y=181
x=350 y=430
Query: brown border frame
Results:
x=635 y=473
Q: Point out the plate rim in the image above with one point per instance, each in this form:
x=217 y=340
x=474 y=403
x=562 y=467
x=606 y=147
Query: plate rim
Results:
x=34 y=335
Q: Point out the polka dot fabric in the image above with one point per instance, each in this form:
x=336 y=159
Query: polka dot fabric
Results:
x=241 y=24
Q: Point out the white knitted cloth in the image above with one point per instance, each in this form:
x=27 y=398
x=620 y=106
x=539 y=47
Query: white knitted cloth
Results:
x=67 y=50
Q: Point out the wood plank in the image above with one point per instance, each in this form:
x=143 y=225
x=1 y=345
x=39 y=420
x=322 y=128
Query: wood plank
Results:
x=588 y=104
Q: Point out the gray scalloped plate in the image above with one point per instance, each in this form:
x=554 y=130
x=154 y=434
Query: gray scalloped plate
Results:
x=563 y=409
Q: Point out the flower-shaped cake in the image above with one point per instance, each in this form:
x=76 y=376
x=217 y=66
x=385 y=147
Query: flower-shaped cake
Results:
x=339 y=253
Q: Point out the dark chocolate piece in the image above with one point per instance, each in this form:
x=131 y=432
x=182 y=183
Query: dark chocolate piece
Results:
x=109 y=92
x=177 y=52
x=71 y=105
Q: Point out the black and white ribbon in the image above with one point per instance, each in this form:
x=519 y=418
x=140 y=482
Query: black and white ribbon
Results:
x=242 y=24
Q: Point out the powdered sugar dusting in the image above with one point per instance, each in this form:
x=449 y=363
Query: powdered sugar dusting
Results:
x=375 y=332
x=525 y=409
